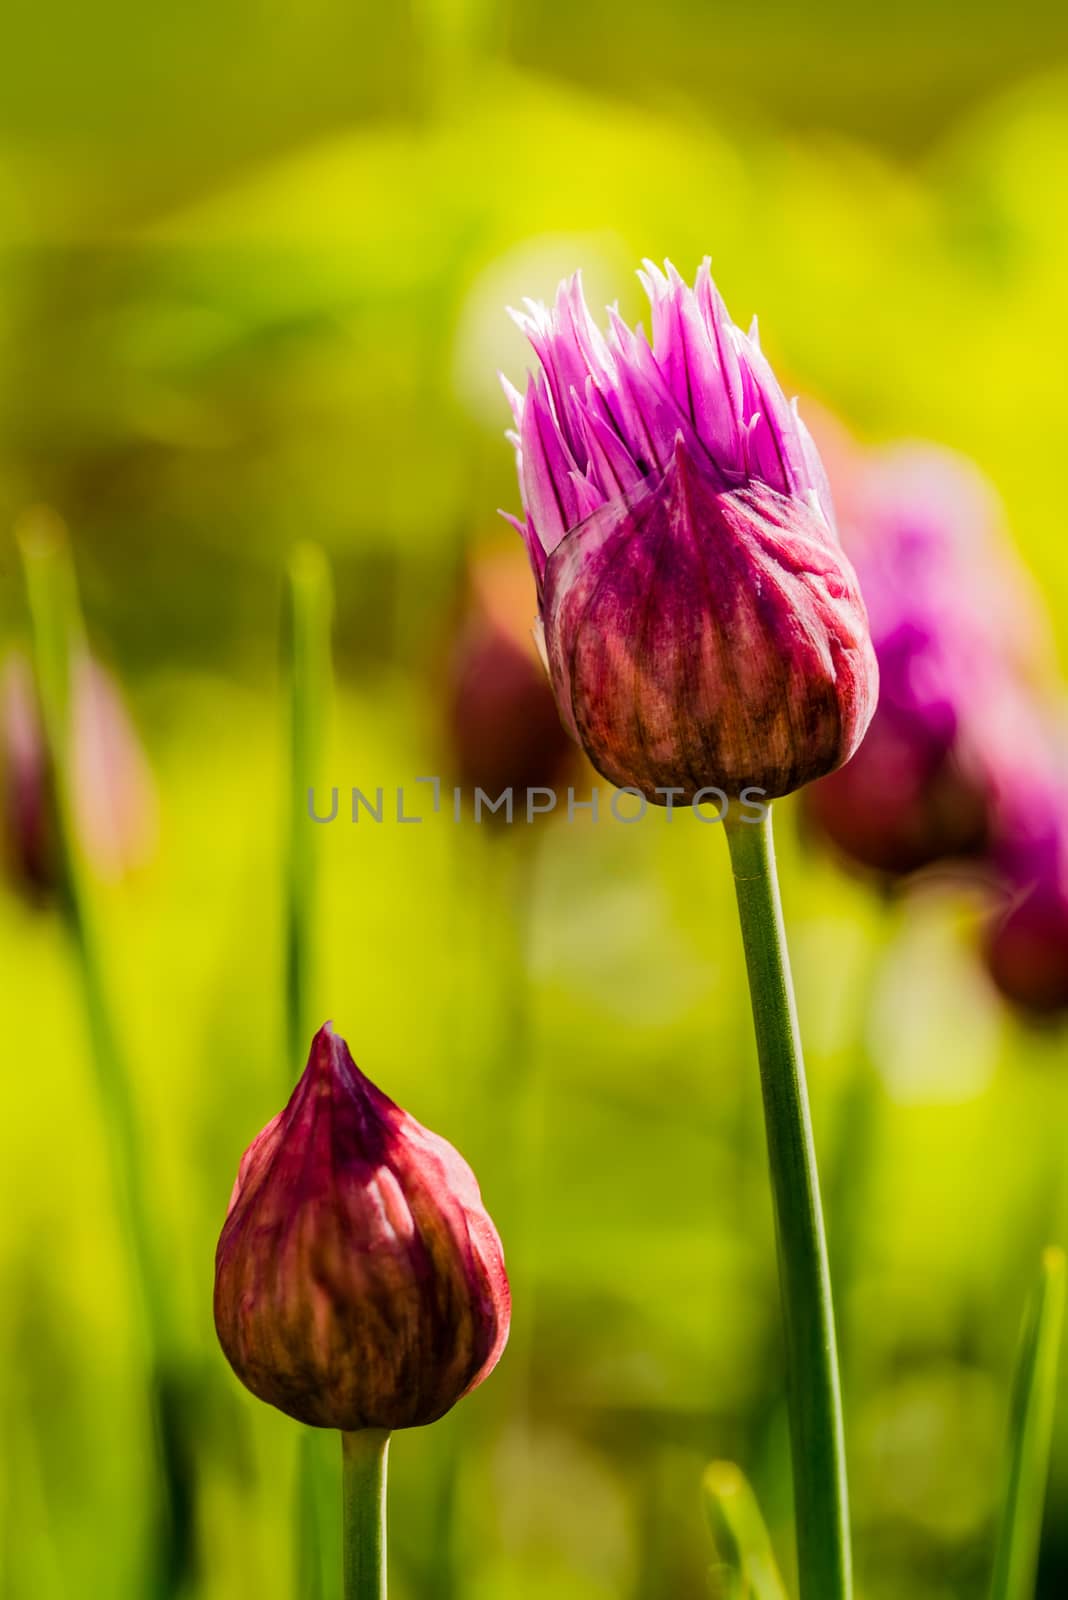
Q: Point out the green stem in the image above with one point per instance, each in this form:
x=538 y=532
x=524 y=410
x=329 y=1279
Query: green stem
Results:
x=1031 y=1429
x=820 y=1494
x=363 y=1497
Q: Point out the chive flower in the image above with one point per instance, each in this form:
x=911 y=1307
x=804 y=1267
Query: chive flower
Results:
x=701 y=624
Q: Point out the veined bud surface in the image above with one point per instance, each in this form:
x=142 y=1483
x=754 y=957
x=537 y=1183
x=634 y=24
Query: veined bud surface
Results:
x=359 y=1281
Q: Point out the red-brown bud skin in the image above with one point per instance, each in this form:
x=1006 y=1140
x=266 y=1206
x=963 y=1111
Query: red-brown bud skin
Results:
x=359 y=1282
x=699 y=637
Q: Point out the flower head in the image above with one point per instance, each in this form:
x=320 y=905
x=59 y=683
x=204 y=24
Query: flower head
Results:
x=359 y=1282
x=957 y=634
x=701 y=624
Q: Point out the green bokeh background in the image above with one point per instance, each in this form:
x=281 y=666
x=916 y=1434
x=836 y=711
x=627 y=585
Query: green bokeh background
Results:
x=253 y=260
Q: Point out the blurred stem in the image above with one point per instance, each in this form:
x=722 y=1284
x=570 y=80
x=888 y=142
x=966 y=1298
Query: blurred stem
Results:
x=739 y=1534
x=58 y=642
x=363 y=1494
x=307 y=644
x=1019 y=1534
x=820 y=1494
x=853 y=1163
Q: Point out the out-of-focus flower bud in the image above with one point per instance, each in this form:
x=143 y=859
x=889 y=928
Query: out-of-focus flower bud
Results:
x=505 y=731
x=701 y=623
x=359 y=1282
x=1026 y=946
x=958 y=632
x=28 y=825
x=112 y=792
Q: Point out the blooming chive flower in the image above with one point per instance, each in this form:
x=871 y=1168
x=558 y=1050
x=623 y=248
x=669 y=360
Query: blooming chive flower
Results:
x=957 y=634
x=701 y=624
x=359 y=1282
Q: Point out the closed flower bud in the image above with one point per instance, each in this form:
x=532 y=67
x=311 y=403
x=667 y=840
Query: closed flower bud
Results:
x=359 y=1282
x=702 y=626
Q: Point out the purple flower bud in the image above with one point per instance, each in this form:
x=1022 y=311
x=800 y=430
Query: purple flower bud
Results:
x=28 y=831
x=956 y=631
x=505 y=730
x=701 y=623
x=359 y=1282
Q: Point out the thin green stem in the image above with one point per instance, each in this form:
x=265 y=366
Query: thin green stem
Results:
x=363 y=1497
x=820 y=1494
x=1031 y=1429
x=308 y=670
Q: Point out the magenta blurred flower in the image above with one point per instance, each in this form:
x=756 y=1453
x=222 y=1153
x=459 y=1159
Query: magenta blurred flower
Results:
x=359 y=1282
x=504 y=729
x=1026 y=944
x=112 y=791
x=702 y=626
x=958 y=633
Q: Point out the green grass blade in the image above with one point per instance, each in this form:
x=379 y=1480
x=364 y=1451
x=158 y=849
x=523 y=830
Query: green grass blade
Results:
x=1030 y=1431
x=743 y=1548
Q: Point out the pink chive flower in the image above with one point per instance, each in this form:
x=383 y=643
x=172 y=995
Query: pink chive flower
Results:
x=359 y=1282
x=958 y=634
x=701 y=624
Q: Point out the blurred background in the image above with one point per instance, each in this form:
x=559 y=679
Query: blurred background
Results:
x=254 y=262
